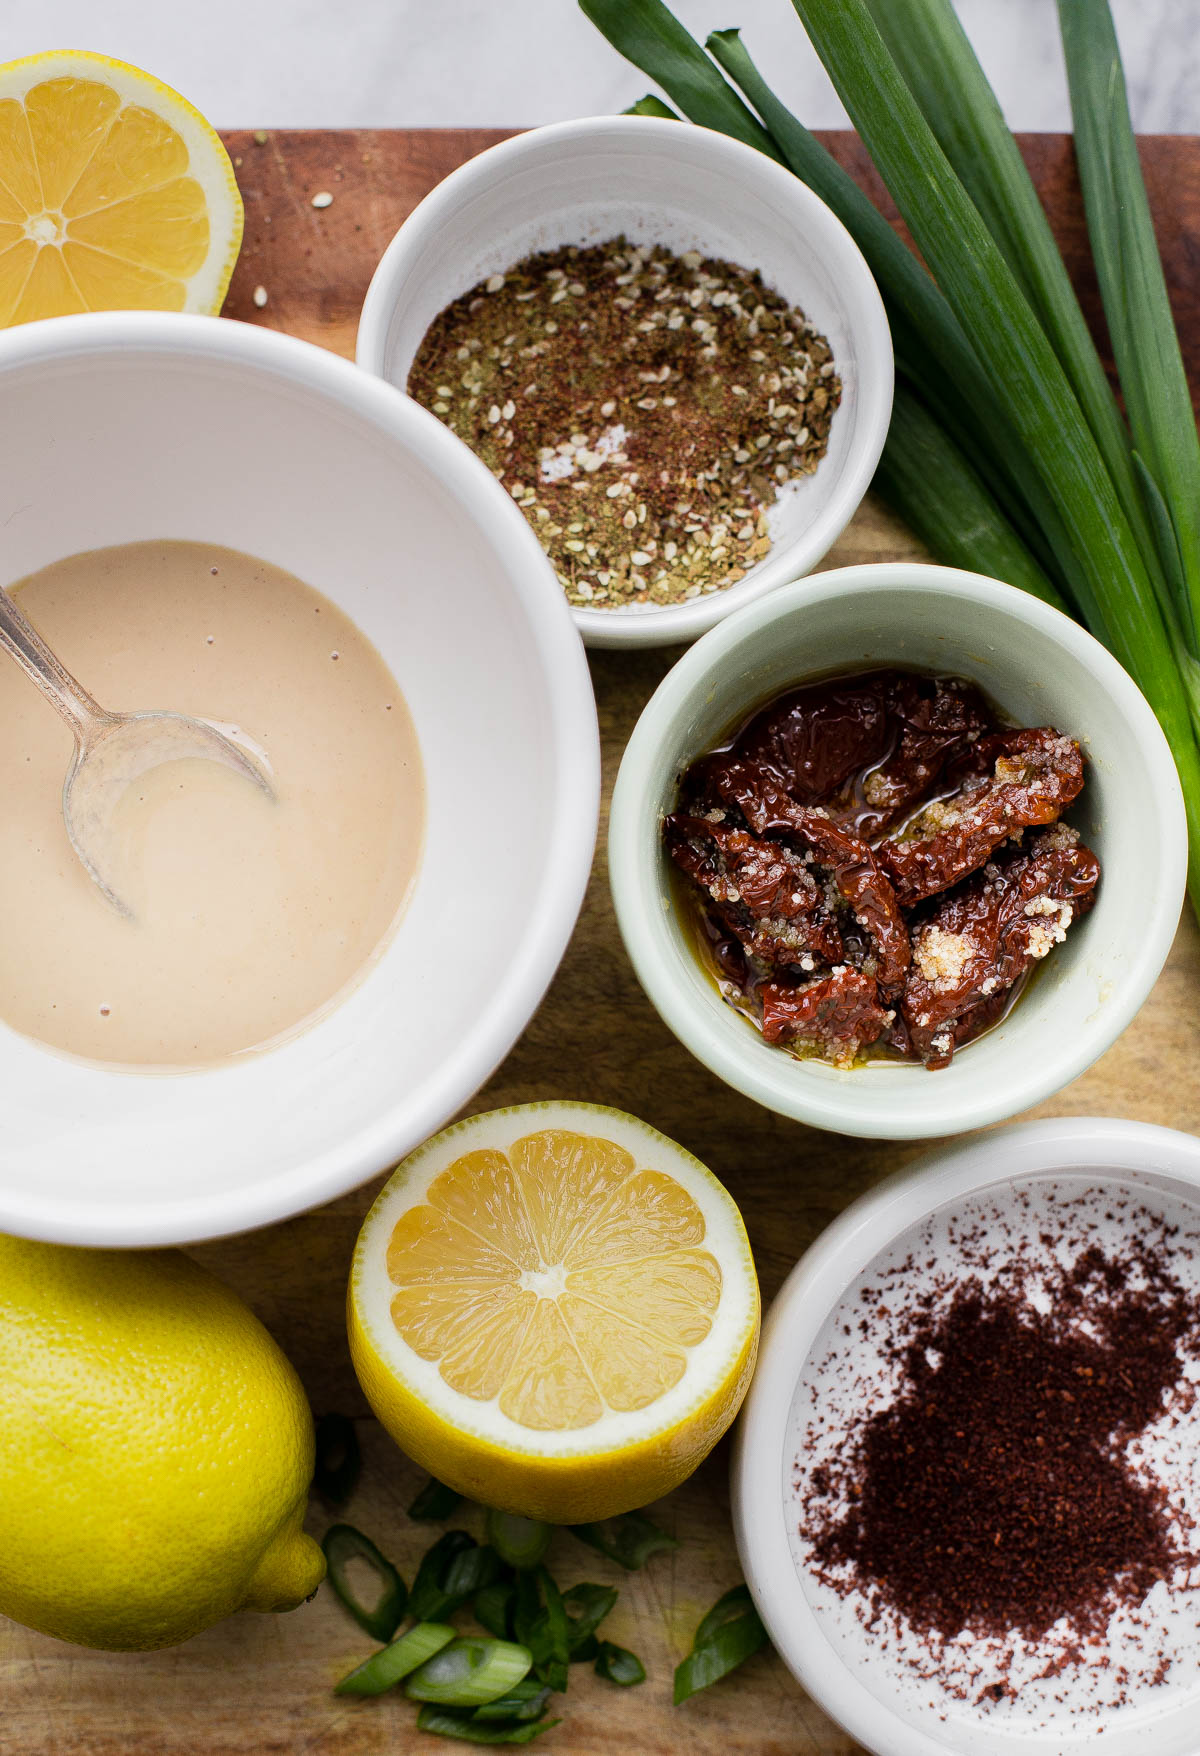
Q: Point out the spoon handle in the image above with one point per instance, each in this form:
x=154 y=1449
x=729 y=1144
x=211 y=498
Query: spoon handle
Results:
x=19 y=637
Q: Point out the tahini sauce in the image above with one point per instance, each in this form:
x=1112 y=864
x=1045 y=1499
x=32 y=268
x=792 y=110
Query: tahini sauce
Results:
x=252 y=917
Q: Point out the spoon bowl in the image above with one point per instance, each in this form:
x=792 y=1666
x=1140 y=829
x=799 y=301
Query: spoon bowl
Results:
x=112 y=751
x=119 y=749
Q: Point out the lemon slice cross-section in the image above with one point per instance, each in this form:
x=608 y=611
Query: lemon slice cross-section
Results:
x=115 y=194
x=553 y=1309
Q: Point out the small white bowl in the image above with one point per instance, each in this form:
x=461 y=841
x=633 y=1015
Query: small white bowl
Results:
x=121 y=427
x=690 y=189
x=873 y=1696
x=1042 y=669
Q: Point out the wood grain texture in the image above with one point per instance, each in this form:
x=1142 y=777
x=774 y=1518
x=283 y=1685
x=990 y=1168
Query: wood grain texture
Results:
x=258 y=1685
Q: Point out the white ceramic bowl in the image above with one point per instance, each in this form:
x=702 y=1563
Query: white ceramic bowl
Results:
x=867 y=1692
x=119 y=427
x=1043 y=669
x=689 y=188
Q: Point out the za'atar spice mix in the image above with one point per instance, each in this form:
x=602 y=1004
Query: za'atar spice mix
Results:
x=644 y=410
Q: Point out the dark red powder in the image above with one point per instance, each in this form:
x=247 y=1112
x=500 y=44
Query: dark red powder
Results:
x=995 y=1495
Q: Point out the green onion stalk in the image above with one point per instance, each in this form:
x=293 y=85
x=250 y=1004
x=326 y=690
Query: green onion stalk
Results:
x=1008 y=453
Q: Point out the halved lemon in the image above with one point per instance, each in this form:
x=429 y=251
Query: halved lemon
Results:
x=115 y=194
x=553 y=1309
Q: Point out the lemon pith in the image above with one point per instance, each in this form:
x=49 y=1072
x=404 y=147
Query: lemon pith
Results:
x=115 y=193
x=553 y=1308
x=155 y=1453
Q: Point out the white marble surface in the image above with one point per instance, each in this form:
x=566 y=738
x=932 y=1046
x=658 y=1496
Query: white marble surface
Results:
x=413 y=63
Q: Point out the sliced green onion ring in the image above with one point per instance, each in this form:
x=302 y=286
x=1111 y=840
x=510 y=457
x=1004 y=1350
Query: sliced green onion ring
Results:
x=586 y=1607
x=727 y=1608
x=453 y=1570
x=344 y=1544
x=540 y=1623
x=493 y=1606
x=473 y=1731
x=726 y=1637
x=526 y=1701
x=521 y=1542
x=629 y=1540
x=434 y=1503
x=616 y=1664
x=384 y=1669
x=470 y=1672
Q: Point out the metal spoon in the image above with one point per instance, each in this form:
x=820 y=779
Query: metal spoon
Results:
x=112 y=750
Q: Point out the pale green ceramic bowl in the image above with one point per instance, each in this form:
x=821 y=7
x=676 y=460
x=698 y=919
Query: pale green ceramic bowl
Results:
x=1042 y=669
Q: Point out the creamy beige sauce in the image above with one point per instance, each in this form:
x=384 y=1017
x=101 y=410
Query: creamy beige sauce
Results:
x=251 y=917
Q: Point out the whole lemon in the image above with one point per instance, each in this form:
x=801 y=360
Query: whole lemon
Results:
x=155 y=1450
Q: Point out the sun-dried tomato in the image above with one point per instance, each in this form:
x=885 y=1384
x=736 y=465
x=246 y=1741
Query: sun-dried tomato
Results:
x=840 y=1011
x=808 y=912
x=975 y=943
x=763 y=892
x=868 y=748
x=1011 y=780
x=851 y=865
x=933 y=721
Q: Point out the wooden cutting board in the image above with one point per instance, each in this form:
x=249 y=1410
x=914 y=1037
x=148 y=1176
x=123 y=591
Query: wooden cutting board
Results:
x=261 y=1684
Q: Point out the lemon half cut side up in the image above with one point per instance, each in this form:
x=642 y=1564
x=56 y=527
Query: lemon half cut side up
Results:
x=553 y=1308
x=115 y=194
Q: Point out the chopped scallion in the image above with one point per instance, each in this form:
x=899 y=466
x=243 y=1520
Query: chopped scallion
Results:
x=448 y=1724
x=726 y=1637
x=525 y=1700
x=343 y=1546
x=434 y=1503
x=616 y=1664
x=629 y=1540
x=540 y=1623
x=493 y=1606
x=453 y=1570
x=520 y=1542
x=586 y=1607
x=470 y=1672
x=384 y=1669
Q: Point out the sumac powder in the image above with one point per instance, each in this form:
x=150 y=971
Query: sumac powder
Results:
x=1000 y=1494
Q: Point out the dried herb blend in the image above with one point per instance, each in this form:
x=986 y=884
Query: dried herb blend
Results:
x=643 y=409
x=1003 y=1496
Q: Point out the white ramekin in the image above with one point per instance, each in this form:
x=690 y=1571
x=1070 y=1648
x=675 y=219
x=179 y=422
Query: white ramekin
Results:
x=121 y=427
x=1042 y=669
x=689 y=188
x=844 y=1676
